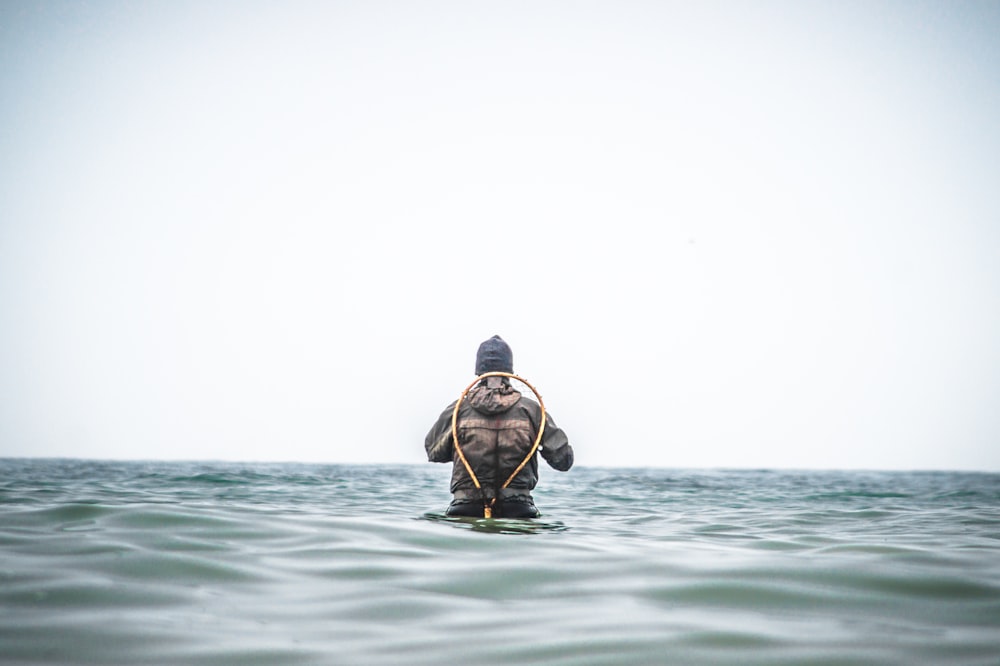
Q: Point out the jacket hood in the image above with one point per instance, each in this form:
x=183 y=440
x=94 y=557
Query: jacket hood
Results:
x=493 y=400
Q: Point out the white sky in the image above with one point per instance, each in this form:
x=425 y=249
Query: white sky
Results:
x=724 y=234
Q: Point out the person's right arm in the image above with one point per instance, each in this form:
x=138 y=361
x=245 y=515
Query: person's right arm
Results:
x=556 y=449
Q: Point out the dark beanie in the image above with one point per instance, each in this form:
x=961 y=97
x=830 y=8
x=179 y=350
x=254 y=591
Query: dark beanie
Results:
x=494 y=355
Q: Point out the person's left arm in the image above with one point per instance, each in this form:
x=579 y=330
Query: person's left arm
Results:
x=438 y=443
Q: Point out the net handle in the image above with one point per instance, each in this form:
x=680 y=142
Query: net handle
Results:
x=488 y=507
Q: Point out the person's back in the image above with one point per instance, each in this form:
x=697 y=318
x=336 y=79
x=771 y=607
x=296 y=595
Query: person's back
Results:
x=497 y=427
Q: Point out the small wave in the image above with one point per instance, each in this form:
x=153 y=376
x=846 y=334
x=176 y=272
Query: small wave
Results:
x=182 y=563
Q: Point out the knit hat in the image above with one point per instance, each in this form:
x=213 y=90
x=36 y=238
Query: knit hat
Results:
x=494 y=355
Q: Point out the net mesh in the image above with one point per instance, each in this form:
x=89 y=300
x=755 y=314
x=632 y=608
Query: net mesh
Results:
x=498 y=379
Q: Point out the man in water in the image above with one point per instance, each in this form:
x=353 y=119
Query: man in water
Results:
x=497 y=428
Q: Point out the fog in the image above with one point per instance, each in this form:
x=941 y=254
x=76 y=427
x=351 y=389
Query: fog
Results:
x=723 y=234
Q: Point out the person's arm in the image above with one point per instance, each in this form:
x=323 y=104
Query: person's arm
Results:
x=438 y=443
x=555 y=447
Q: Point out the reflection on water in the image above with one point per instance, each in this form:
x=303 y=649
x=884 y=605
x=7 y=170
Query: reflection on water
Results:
x=179 y=563
x=498 y=525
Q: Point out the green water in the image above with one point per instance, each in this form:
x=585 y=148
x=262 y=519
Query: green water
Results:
x=190 y=563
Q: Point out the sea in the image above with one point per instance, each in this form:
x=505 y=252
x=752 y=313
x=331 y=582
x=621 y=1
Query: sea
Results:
x=216 y=563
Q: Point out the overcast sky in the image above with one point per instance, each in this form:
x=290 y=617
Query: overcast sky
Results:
x=716 y=234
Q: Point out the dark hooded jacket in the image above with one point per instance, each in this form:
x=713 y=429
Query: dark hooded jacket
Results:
x=496 y=428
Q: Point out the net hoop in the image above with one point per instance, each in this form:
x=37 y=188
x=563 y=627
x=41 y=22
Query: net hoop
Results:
x=488 y=506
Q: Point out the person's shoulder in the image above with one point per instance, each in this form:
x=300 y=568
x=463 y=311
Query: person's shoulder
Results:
x=530 y=404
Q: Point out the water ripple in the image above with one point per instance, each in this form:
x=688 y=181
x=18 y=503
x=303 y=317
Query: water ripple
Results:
x=181 y=563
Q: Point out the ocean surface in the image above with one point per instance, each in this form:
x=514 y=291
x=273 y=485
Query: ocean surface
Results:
x=226 y=563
